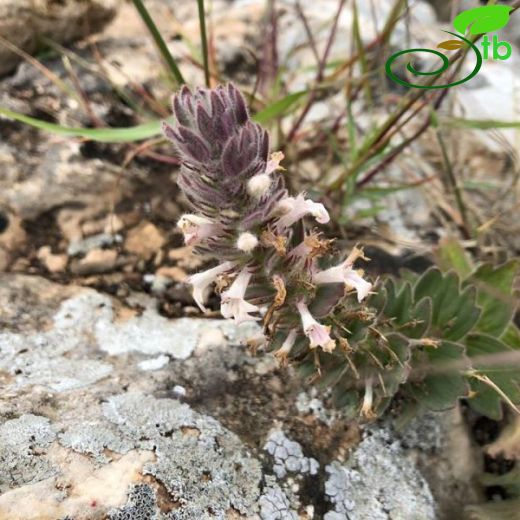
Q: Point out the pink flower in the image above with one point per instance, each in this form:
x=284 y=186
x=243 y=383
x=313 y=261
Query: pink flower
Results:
x=233 y=304
x=300 y=252
x=344 y=273
x=319 y=335
x=202 y=281
x=293 y=209
x=195 y=228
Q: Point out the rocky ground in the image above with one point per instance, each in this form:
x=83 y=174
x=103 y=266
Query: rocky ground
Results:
x=114 y=411
x=118 y=400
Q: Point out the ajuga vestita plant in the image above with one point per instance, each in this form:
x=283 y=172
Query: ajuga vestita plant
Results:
x=318 y=309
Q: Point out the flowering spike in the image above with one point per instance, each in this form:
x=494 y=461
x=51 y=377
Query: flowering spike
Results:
x=241 y=213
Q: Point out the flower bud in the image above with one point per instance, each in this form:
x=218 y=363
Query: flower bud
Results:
x=258 y=185
x=247 y=242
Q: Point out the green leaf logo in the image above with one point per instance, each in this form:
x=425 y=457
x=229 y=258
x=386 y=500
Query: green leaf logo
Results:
x=483 y=19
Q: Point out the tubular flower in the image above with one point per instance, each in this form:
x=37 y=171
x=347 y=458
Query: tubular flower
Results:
x=233 y=304
x=345 y=273
x=283 y=352
x=366 y=407
x=195 y=228
x=293 y=209
x=202 y=281
x=319 y=335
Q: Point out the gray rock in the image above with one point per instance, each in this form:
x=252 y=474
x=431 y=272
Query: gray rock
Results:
x=24 y=22
x=274 y=505
x=378 y=482
x=288 y=456
x=142 y=505
x=89 y=438
x=19 y=441
x=85 y=432
x=59 y=176
x=95 y=241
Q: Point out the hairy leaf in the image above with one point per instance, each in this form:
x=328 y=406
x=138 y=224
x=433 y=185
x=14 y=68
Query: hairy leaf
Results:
x=495 y=296
x=443 y=384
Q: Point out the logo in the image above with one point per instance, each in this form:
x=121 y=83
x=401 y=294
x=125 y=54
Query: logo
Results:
x=478 y=21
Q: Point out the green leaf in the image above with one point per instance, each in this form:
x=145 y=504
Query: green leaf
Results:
x=483 y=19
x=511 y=337
x=454 y=312
x=420 y=320
x=466 y=318
x=487 y=356
x=278 y=108
x=105 y=135
x=494 y=296
x=396 y=363
x=485 y=401
x=441 y=389
x=451 y=255
x=410 y=318
x=398 y=306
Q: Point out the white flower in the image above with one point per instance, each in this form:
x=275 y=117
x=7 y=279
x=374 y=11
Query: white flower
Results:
x=202 y=281
x=319 y=335
x=344 y=273
x=293 y=209
x=366 y=407
x=258 y=185
x=282 y=353
x=196 y=228
x=247 y=242
x=233 y=304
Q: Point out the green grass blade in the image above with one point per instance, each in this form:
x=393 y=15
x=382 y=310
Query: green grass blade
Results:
x=204 y=40
x=479 y=124
x=158 y=39
x=278 y=108
x=105 y=135
x=139 y=132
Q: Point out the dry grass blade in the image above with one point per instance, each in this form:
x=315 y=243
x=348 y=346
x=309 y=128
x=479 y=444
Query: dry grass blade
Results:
x=51 y=76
